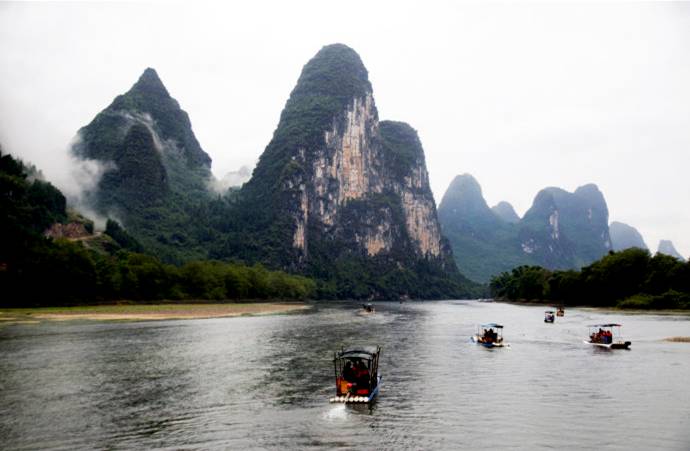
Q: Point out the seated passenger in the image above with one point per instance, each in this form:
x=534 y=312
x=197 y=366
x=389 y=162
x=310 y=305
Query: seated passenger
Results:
x=362 y=376
x=349 y=372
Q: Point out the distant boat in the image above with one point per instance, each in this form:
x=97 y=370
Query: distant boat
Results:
x=606 y=336
x=367 y=309
x=357 y=378
x=549 y=316
x=489 y=335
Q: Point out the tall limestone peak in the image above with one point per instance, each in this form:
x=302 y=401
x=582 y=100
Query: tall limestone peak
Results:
x=483 y=244
x=334 y=186
x=666 y=247
x=624 y=236
x=149 y=85
x=566 y=230
x=333 y=97
x=335 y=71
x=152 y=161
x=464 y=201
x=506 y=212
x=147 y=102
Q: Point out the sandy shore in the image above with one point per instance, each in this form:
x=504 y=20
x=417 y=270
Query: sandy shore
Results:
x=678 y=339
x=144 y=312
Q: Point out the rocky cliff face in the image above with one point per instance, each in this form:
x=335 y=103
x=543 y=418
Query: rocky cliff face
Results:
x=343 y=184
x=666 y=247
x=624 y=236
x=566 y=230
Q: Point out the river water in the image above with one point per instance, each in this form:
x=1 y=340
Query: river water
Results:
x=264 y=382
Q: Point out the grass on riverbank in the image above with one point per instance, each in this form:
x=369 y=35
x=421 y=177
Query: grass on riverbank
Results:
x=138 y=312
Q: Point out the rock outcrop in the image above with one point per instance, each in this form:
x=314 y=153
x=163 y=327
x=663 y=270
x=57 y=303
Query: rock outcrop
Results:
x=624 y=236
x=565 y=230
x=336 y=185
x=666 y=247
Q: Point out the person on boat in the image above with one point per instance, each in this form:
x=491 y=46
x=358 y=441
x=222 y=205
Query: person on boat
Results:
x=489 y=335
x=608 y=337
x=349 y=372
x=361 y=375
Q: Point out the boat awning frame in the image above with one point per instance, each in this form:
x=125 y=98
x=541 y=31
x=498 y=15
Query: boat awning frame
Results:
x=605 y=325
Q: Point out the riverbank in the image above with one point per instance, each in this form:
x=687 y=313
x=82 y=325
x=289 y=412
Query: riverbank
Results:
x=144 y=312
x=631 y=311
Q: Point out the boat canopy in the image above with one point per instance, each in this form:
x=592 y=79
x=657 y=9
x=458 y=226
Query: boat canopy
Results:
x=359 y=352
x=605 y=325
x=497 y=326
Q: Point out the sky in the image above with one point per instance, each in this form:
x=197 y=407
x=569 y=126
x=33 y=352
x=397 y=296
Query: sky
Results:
x=520 y=95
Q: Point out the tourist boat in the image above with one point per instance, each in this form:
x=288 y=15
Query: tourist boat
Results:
x=367 y=309
x=357 y=378
x=606 y=336
x=560 y=312
x=489 y=335
x=549 y=316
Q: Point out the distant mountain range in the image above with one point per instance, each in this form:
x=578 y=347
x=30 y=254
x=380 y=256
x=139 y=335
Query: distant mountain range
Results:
x=666 y=247
x=624 y=236
x=561 y=230
x=337 y=194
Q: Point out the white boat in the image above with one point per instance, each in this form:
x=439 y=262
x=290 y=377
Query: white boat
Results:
x=607 y=336
x=488 y=337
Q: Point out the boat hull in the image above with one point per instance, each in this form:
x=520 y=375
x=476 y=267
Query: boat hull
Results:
x=359 y=399
x=476 y=340
x=616 y=345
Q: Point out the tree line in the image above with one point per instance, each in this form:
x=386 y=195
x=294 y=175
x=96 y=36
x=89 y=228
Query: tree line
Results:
x=631 y=278
x=37 y=270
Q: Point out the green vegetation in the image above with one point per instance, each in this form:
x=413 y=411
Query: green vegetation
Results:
x=35 y=270
x=627 y=279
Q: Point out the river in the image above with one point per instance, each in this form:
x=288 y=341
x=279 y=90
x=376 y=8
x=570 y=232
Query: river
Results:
x=264 y=382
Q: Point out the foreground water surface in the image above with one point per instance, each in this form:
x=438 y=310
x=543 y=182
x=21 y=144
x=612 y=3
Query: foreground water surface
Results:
x=264 y=382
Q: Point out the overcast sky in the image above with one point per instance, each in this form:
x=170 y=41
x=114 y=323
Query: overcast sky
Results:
x=522 y=96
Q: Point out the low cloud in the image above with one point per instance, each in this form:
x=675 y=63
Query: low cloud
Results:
x=230 y=180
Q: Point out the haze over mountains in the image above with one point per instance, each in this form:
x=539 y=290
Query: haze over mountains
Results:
x=336 y=195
